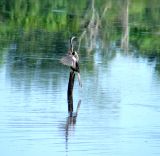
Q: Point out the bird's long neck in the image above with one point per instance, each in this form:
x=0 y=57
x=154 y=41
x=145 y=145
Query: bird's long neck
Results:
x=71 y=43
x=71 y=48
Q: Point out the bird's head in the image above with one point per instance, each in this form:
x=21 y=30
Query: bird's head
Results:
x=71 y=39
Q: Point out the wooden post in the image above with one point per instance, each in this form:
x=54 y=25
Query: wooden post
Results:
x=70 y=92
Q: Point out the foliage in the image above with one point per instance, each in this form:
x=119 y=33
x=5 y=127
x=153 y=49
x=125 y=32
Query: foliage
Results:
x=63 y=16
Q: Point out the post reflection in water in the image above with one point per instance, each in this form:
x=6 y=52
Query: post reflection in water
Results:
x=71 y=122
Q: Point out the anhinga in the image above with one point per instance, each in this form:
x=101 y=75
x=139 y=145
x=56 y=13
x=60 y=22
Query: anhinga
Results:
x=72 y=60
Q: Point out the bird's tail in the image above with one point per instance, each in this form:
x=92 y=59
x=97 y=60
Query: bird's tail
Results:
x=79 y=79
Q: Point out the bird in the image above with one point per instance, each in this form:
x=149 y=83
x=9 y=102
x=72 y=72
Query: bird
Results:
x=71 y=59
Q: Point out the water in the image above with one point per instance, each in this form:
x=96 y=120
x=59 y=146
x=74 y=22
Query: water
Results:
x=117 y=108
x=118 y=115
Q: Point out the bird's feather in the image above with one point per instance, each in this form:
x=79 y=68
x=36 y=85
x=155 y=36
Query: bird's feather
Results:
x=68 y=60
x=79 y=79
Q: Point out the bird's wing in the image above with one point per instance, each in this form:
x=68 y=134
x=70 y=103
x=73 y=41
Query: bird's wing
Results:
x=68 y=60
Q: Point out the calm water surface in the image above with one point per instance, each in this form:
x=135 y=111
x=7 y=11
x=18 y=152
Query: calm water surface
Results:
x=118 y=114
x=118 y=108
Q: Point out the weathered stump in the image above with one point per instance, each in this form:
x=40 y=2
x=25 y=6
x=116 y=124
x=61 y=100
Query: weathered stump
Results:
x=70 y=92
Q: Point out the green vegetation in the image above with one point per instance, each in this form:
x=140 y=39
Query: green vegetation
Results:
x=137 y=22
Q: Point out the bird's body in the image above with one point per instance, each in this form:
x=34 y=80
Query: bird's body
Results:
x=72 y=60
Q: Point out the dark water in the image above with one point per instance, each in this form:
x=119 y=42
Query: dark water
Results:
x=118 y=106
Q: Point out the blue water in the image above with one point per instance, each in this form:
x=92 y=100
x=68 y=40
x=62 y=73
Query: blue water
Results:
x=118 y=114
